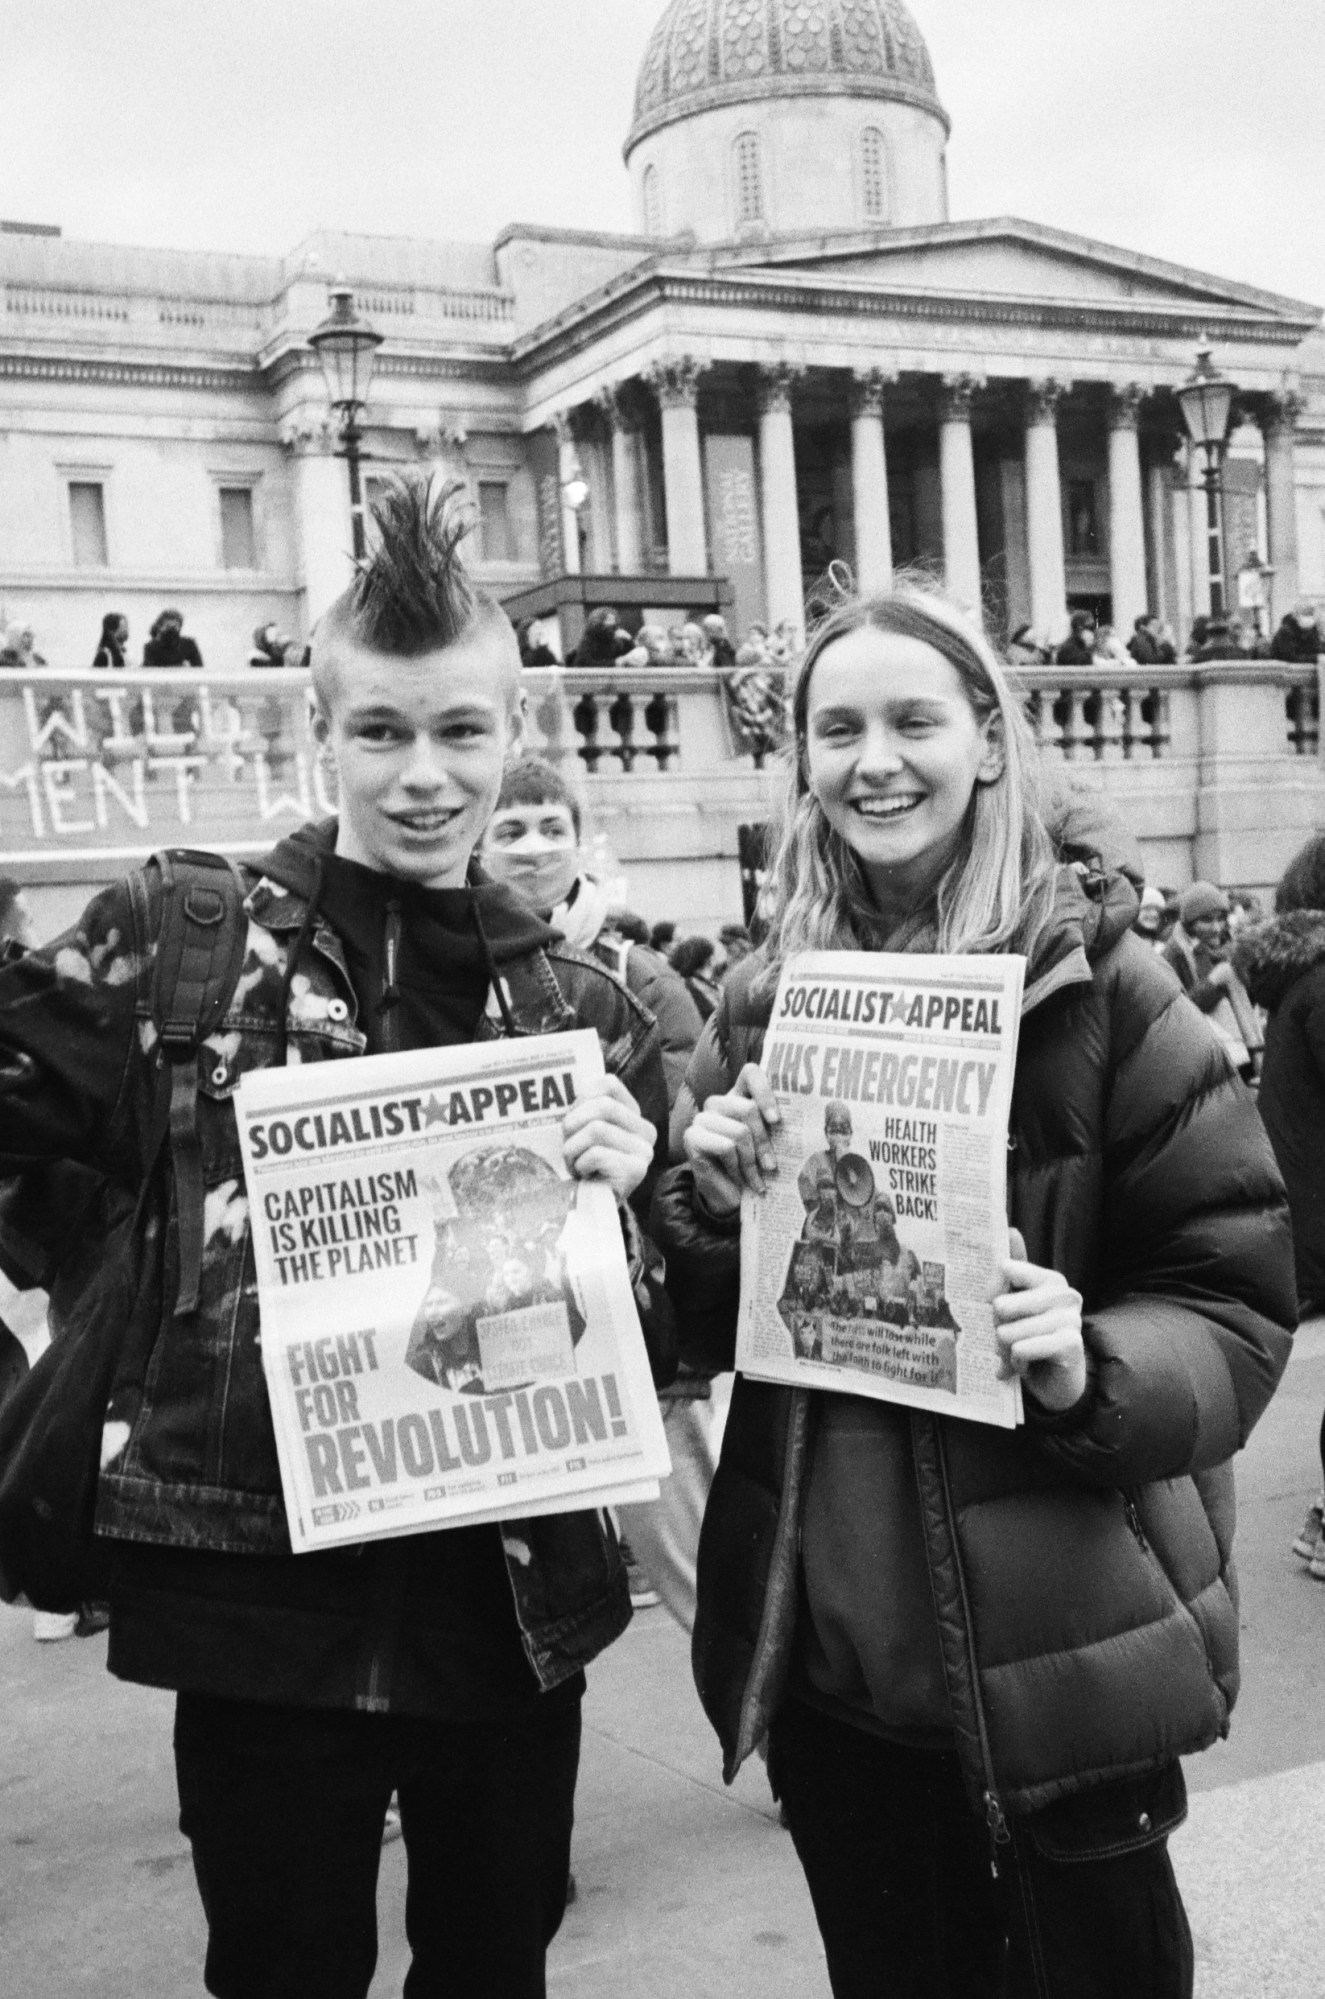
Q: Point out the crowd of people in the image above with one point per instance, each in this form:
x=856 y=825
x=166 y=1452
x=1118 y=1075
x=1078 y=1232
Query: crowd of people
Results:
x=973 y=1657
x=1298 y=638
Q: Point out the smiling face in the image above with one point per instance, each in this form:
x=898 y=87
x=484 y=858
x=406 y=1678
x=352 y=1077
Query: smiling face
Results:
x=534 y=850
x=894 y=751
x=419 y=746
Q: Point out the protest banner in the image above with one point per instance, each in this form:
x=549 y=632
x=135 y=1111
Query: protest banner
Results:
x=448 y=1328
x=870 y=1263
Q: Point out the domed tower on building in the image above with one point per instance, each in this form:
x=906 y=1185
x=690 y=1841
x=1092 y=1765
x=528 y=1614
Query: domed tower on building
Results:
x=770 y=117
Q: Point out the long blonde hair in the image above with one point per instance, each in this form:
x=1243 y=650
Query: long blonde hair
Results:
x=997 y=894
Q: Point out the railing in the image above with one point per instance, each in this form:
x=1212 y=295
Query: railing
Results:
x=84 y=307
x=664 y=719
x=436 y=302
x=118 y=762
x=99 y=767
x=1083 y=716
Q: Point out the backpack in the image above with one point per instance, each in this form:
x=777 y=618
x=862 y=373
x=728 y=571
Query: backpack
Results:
x=51 y=1423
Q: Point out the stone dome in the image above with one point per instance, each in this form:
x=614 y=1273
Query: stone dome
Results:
x=704 y=54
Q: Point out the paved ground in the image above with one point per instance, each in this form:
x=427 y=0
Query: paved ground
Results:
x=685 y=1888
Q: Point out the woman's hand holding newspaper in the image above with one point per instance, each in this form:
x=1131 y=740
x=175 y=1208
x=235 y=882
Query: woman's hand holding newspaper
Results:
x=728 y=1144
x=1038 y=1322
x=607 y=1137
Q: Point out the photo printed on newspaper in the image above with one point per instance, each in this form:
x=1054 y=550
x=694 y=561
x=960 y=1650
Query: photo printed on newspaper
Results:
x=448 y=1328
x=870 y=1263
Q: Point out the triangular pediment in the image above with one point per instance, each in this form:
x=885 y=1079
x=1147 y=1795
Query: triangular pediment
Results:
x=1010 y=259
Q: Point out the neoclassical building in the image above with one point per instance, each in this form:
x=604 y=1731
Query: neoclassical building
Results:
x=799 y=356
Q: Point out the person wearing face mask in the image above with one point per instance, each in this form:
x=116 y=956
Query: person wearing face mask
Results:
x=1298 y=638
x=976 y=1655
x=1198 y=951
x=533 y=846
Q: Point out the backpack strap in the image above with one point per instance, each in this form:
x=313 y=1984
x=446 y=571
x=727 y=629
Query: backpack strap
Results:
x=199 y=956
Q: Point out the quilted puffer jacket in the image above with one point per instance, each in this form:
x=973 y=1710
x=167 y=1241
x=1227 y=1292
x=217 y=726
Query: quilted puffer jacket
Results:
x=1081 y=1566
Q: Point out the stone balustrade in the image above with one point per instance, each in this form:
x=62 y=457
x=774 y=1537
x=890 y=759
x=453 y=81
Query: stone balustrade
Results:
x=1215 y=768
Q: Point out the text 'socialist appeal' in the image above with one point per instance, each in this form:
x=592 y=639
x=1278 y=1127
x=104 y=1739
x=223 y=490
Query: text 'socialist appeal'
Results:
x=448 y=1328
x=870 y=1263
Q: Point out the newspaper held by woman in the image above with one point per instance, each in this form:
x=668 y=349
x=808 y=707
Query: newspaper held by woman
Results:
x=448 y=1328
x=870 y=1263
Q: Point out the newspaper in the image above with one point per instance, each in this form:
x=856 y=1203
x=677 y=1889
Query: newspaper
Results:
x=448 y=1328
x=870 y=1263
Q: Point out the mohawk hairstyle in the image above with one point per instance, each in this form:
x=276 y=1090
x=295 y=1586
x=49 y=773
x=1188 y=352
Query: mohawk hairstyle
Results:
x=413 y=594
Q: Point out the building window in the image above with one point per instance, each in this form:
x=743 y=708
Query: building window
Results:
x=749 y=180
x=238 y=542
x=494 y=521
x=87 y=523
x=653 y=222
x=873 y=175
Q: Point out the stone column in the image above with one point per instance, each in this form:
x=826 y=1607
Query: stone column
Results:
x=784 y=583
x=1278 y=425
x=676 y=385
x=1044 y=512
x=322 y=512
x=869 y=481
x=961 y=538
x=568 y=468
x=622 y=418
x=1127 y=524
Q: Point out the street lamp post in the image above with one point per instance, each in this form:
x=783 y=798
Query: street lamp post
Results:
x=347 y=345
x=1206 y=400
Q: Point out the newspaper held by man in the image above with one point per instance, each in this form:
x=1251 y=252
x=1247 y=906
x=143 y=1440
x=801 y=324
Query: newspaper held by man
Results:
x=871 y=1262
x=448 y=1328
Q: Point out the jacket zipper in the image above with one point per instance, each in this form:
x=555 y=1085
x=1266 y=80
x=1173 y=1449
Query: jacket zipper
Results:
x=995 y=1818
x=786 y=1539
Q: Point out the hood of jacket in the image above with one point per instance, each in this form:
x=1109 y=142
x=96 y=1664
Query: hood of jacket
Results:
x=1272 y=956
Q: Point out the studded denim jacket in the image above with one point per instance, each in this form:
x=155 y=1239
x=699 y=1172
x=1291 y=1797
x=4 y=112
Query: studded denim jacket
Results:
x=189 y=1455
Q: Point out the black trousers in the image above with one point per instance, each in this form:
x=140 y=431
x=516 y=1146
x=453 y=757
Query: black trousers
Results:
x=284 y=1809
x=898 y=1867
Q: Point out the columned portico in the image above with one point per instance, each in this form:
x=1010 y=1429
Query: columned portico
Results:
x=869 y=481
x=676 y=385
x=1044 y=511
x=1279 y=426
x=780 y=514
x=961 y=539
x=1127 y=531
x=623 y=424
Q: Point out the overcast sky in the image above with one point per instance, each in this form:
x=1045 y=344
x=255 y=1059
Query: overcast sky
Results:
x=1190 y=129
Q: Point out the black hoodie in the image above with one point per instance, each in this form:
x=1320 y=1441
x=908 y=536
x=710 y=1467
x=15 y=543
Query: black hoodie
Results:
x=421 y=960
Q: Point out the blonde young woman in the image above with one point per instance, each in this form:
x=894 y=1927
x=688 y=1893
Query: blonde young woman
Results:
x=978 y=1655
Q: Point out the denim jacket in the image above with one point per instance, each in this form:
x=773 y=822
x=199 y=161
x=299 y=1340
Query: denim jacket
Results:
x=189 y=1455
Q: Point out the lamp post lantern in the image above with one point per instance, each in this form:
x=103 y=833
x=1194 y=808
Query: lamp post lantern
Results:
x=346 y=345
x=1206 y=400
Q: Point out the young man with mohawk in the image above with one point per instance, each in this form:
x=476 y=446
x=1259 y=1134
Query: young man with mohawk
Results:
x=448 y=1666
